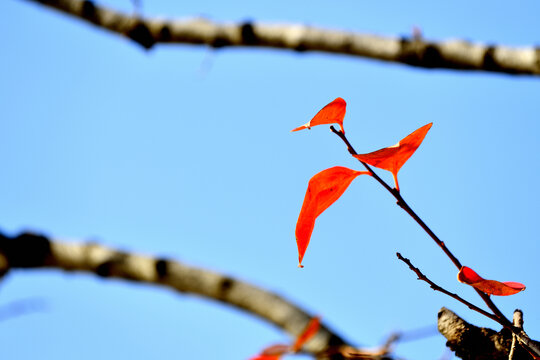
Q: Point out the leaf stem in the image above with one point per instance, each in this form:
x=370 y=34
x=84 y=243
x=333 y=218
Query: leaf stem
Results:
x=403 y=204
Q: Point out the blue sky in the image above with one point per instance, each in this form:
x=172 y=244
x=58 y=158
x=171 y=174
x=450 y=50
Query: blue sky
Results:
x=186 y=152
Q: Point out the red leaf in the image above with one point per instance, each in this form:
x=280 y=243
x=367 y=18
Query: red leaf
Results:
x=265 y=357
x=323 y=190
x=392 y=158
x=332 y=113
x=310 y=330
x=273 y=352
x=468 y=276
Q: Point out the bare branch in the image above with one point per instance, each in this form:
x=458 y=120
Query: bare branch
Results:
x=414 y=50
x=517 y=321
x=34 y=251
x=21 y=307
x=436 y=287
x=532 y=347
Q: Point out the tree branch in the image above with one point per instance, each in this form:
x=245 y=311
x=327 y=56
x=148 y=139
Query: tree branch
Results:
x=467 y=334
x=34 y=251
x=436 y=287
x=403 y=204
x=474 y=343
x=414 y=50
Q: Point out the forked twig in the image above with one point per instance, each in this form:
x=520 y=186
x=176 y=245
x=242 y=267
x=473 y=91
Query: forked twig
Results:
x=403 y=204
x=517 y=330
x=497 y=315
x=436 y=287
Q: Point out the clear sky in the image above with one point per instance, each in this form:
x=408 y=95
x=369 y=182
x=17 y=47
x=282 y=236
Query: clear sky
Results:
x=186 y=152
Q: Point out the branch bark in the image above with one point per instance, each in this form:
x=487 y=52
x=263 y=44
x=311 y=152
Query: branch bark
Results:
x=414 y=50
x=36 y=251
x=470 y=342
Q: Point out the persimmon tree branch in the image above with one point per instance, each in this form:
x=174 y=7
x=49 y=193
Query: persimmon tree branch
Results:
x=436 y=287
x=474 y=343
x=413 y=51
x=517 y=321
x=30 y=251
x=517 y=330
x=403 y=204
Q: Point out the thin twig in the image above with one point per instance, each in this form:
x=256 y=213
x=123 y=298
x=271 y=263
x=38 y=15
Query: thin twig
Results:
x=522 y=337
x=517 y=332
x=21 y=307
x=436 y=287
x=512 y=348
x=418 y=334
x=403 y=204
x=518 y=323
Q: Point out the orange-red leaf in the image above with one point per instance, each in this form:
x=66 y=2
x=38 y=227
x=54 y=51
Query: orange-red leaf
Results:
x=332 y=113
x=310 y=330
x=468 y=276
x=393 y=157
x=273 y=352
x=265 y=357
x=323 y=190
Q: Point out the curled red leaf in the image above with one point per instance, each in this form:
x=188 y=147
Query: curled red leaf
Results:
x=468 y=276
x=265 y=357
x=323 y=190
x=393 y=157
x=332 y=113
x=309 y=331
x=275 y=352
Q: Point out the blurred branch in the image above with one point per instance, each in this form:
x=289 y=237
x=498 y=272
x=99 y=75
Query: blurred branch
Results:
x=21 y=307
x=413 y=50
x=35 y=251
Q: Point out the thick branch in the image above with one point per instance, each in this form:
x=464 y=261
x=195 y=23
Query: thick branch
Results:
x=414 y=51
x=474 y=343
x=531 y=346
x=33 y=251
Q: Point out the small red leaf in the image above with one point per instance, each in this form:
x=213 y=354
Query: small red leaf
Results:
x=323 y=190
x=468 y=276
x=265 y=357
x=277 y=349
x=393 y=157
x=275 y=352
x=332 y=113
x=310 y=330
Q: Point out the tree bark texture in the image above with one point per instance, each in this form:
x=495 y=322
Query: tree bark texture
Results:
x=36 y=251
x=470 y=342
x=413 y=51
